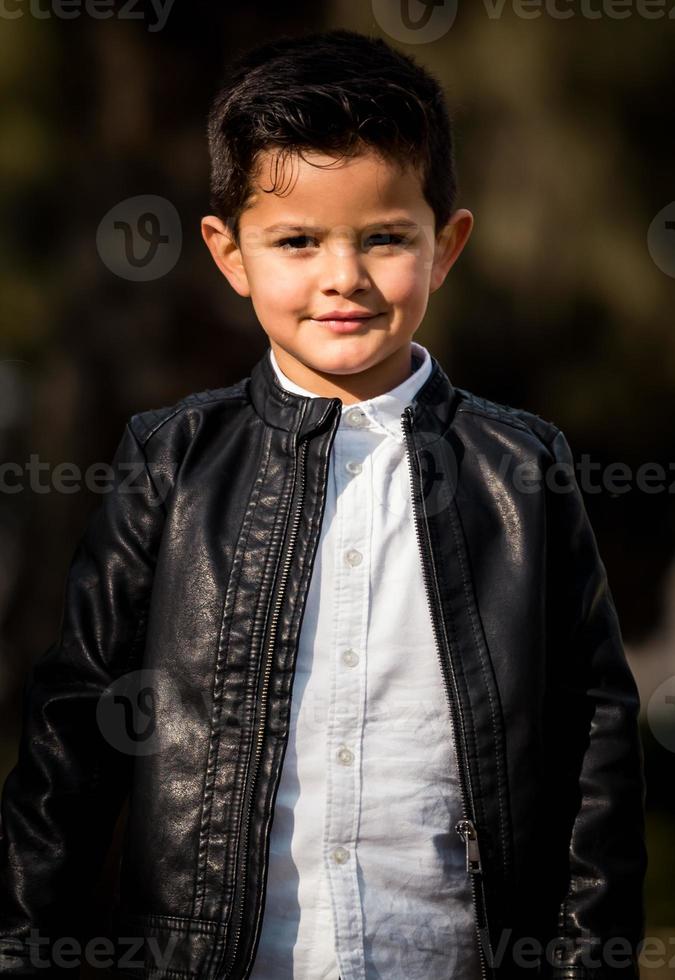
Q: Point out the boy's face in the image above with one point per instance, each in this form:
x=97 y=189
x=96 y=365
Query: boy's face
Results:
x=356 y=236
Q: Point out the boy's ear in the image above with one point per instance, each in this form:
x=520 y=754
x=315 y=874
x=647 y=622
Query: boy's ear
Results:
x=449 y=244
x=225 y=252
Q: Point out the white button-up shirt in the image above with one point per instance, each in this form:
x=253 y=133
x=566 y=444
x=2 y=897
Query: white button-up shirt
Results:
x=367 y=877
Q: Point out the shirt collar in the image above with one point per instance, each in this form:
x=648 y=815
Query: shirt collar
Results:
x=383 y=411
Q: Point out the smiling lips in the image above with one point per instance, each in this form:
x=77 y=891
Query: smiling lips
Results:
x=347 y=322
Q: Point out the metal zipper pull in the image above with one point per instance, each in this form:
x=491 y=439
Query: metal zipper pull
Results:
x=467 y=831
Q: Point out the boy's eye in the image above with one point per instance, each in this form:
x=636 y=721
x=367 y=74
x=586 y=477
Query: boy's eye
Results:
x=297 y=243
x=387 y=239
x=293 y=244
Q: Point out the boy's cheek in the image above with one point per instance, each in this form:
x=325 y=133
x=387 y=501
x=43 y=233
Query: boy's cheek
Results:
x=405 y=287
x=406 y=276
x=274 y=286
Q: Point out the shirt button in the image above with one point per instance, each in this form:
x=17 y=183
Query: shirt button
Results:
x=357 y=417
x=340 y=855
x=345 y=756
x=350 y=658
x=353 y=467
x=353 y=557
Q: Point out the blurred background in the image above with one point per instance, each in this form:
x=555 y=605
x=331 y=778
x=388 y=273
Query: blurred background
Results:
x=562 y=302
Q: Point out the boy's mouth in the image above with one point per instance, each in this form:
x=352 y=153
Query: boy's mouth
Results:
x=344 y=322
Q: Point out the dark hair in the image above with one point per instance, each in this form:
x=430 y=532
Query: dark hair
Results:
x=337 y=92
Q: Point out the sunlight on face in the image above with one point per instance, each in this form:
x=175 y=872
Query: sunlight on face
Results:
x=352 y=235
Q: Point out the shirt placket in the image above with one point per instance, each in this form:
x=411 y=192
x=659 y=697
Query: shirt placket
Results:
x=347 y=686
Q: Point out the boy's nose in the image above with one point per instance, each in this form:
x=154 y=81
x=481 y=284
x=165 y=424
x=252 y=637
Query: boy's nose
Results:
x=344 y=270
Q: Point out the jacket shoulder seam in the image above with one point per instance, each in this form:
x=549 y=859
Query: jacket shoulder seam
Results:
x=543 y=429
x=146 y=424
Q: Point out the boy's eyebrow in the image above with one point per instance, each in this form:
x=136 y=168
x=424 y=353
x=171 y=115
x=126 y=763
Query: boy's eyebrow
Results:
x=392 y=223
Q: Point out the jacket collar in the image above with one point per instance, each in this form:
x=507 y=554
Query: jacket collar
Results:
x=382 y=412
x=433 y=405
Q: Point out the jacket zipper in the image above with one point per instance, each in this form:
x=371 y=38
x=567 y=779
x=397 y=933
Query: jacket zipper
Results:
x=466 y=827
x=263 y=699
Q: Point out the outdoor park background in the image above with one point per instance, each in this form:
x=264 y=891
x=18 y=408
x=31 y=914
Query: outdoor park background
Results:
x=562 y=302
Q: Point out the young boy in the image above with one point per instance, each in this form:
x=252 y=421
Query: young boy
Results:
x=382 y=724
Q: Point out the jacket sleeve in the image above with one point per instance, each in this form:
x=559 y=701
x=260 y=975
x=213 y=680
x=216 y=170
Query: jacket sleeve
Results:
x=61 y=801
x=600 y=762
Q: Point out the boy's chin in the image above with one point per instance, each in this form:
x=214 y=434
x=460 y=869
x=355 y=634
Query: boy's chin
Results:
x=340 y=367
x=349 y=357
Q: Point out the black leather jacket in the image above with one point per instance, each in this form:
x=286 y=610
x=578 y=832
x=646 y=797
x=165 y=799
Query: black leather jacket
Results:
x=192 y=576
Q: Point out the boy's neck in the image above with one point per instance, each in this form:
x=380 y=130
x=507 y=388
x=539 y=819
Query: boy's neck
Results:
x=349 y=388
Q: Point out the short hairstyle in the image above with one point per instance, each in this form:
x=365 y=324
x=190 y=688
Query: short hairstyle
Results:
x=339 y=93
